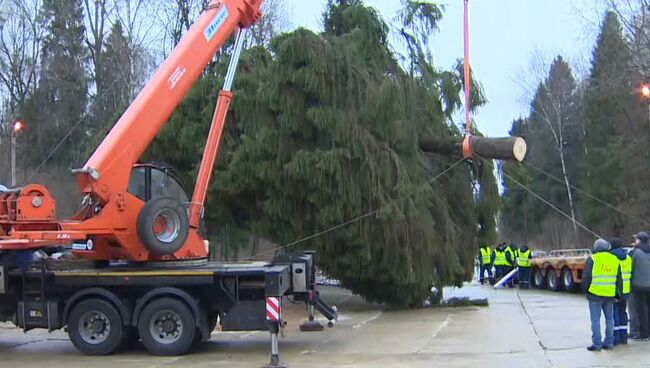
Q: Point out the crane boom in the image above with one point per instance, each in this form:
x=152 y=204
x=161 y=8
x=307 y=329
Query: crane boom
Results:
x=146 y=116
x=117 y=221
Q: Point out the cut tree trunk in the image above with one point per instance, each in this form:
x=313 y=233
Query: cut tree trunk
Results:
x=508 y=148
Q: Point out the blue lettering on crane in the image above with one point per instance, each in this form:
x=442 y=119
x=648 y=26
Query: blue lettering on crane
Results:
x=215 y=24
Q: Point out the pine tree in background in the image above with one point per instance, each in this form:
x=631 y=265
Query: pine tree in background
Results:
x=515 y=221
x=605 y=135
x=615 y=170
x=554 y=116
x=552 y=132
x=61 y=98
x=113 y=93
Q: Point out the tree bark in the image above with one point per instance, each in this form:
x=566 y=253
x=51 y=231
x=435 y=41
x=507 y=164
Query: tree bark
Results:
x=509 y=148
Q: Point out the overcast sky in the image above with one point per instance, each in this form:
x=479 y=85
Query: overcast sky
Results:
x=505 y=37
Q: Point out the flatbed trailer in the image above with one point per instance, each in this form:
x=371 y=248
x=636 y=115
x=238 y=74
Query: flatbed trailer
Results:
x=559 y=270
x=167 y=306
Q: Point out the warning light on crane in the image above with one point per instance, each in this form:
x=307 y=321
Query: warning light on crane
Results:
x=18 y=126
x=645 y=90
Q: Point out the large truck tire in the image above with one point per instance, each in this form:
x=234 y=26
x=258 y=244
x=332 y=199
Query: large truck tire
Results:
x=95 y=327
x=537 y=279
x=163 y=225
x=167 y=327
x=553 y=282
x=568 y=283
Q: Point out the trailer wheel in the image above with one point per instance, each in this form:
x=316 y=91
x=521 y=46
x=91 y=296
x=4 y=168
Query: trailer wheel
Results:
x=95 y=327
x=163 y=225
x=567 y=279
x=538 y=279
x=167 y=327
x=553 y=281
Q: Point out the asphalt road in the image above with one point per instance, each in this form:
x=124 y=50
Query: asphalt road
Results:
x=527 y=328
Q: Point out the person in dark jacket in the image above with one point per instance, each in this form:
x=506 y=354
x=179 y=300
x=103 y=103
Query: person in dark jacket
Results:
x=523 y=263
x=631 y=310
x=602 y=282
x=486 y=259
x=499 y=262
x=511 y=260
x=641 y=284
x=620 y=305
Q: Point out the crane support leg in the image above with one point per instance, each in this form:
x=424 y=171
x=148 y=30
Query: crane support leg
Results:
x=276 y=325
x=275 y=361
x=311 y=324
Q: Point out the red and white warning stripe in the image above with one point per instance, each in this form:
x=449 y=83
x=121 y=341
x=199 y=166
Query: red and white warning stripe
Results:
x=273 y=308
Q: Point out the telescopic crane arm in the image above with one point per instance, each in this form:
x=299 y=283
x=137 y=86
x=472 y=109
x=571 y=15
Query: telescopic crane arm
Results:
x=114 y=223
x=149 y=112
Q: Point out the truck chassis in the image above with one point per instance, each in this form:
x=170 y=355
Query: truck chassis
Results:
x=167 y=308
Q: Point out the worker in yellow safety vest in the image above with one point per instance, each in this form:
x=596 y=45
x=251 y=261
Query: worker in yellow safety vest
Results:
x=602 y=283
x=523 y=264
x=510 y=262
x=486 y=258
x=620 y=305
x=499 y=261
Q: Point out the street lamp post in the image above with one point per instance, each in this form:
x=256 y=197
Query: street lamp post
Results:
x=18 y=126
x=13 y=159
x=645 y=91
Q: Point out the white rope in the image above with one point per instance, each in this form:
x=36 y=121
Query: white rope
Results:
x=545 y=201
x=589 y=195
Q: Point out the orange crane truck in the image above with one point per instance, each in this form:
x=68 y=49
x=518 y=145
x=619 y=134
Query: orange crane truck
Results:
x=559 y=269
x=142 y=269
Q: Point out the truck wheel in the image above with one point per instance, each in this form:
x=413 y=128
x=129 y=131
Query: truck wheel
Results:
x=95 y=327
x=167 y=327
x=163 y=225
x=567 y=279
x=553 y=281
x=538 y=279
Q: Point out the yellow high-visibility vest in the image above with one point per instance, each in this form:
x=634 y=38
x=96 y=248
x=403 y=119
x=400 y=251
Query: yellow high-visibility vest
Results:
x=512 y=256
x=626 y=271
x=499 y=258
x=603 y=274
x=486 y=255
x=524 y=258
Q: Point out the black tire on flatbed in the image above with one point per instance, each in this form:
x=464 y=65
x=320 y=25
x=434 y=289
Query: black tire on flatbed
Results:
x=568 y=282
x=537 y=279
x=553 y=281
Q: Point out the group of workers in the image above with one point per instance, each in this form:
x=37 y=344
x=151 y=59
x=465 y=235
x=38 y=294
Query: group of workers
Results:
x=504 y=259
x=617 y=280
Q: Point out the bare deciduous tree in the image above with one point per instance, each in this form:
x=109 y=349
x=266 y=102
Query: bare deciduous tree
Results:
x=553 y=103
x=20 y=46
x=173 y=18
x=97 y=20
x=274 y=20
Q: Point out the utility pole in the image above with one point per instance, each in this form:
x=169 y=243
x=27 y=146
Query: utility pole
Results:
x=645 y=91
x=648 y=116
x=13 y=159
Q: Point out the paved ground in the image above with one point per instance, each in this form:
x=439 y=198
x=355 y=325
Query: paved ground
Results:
x=519 y=329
